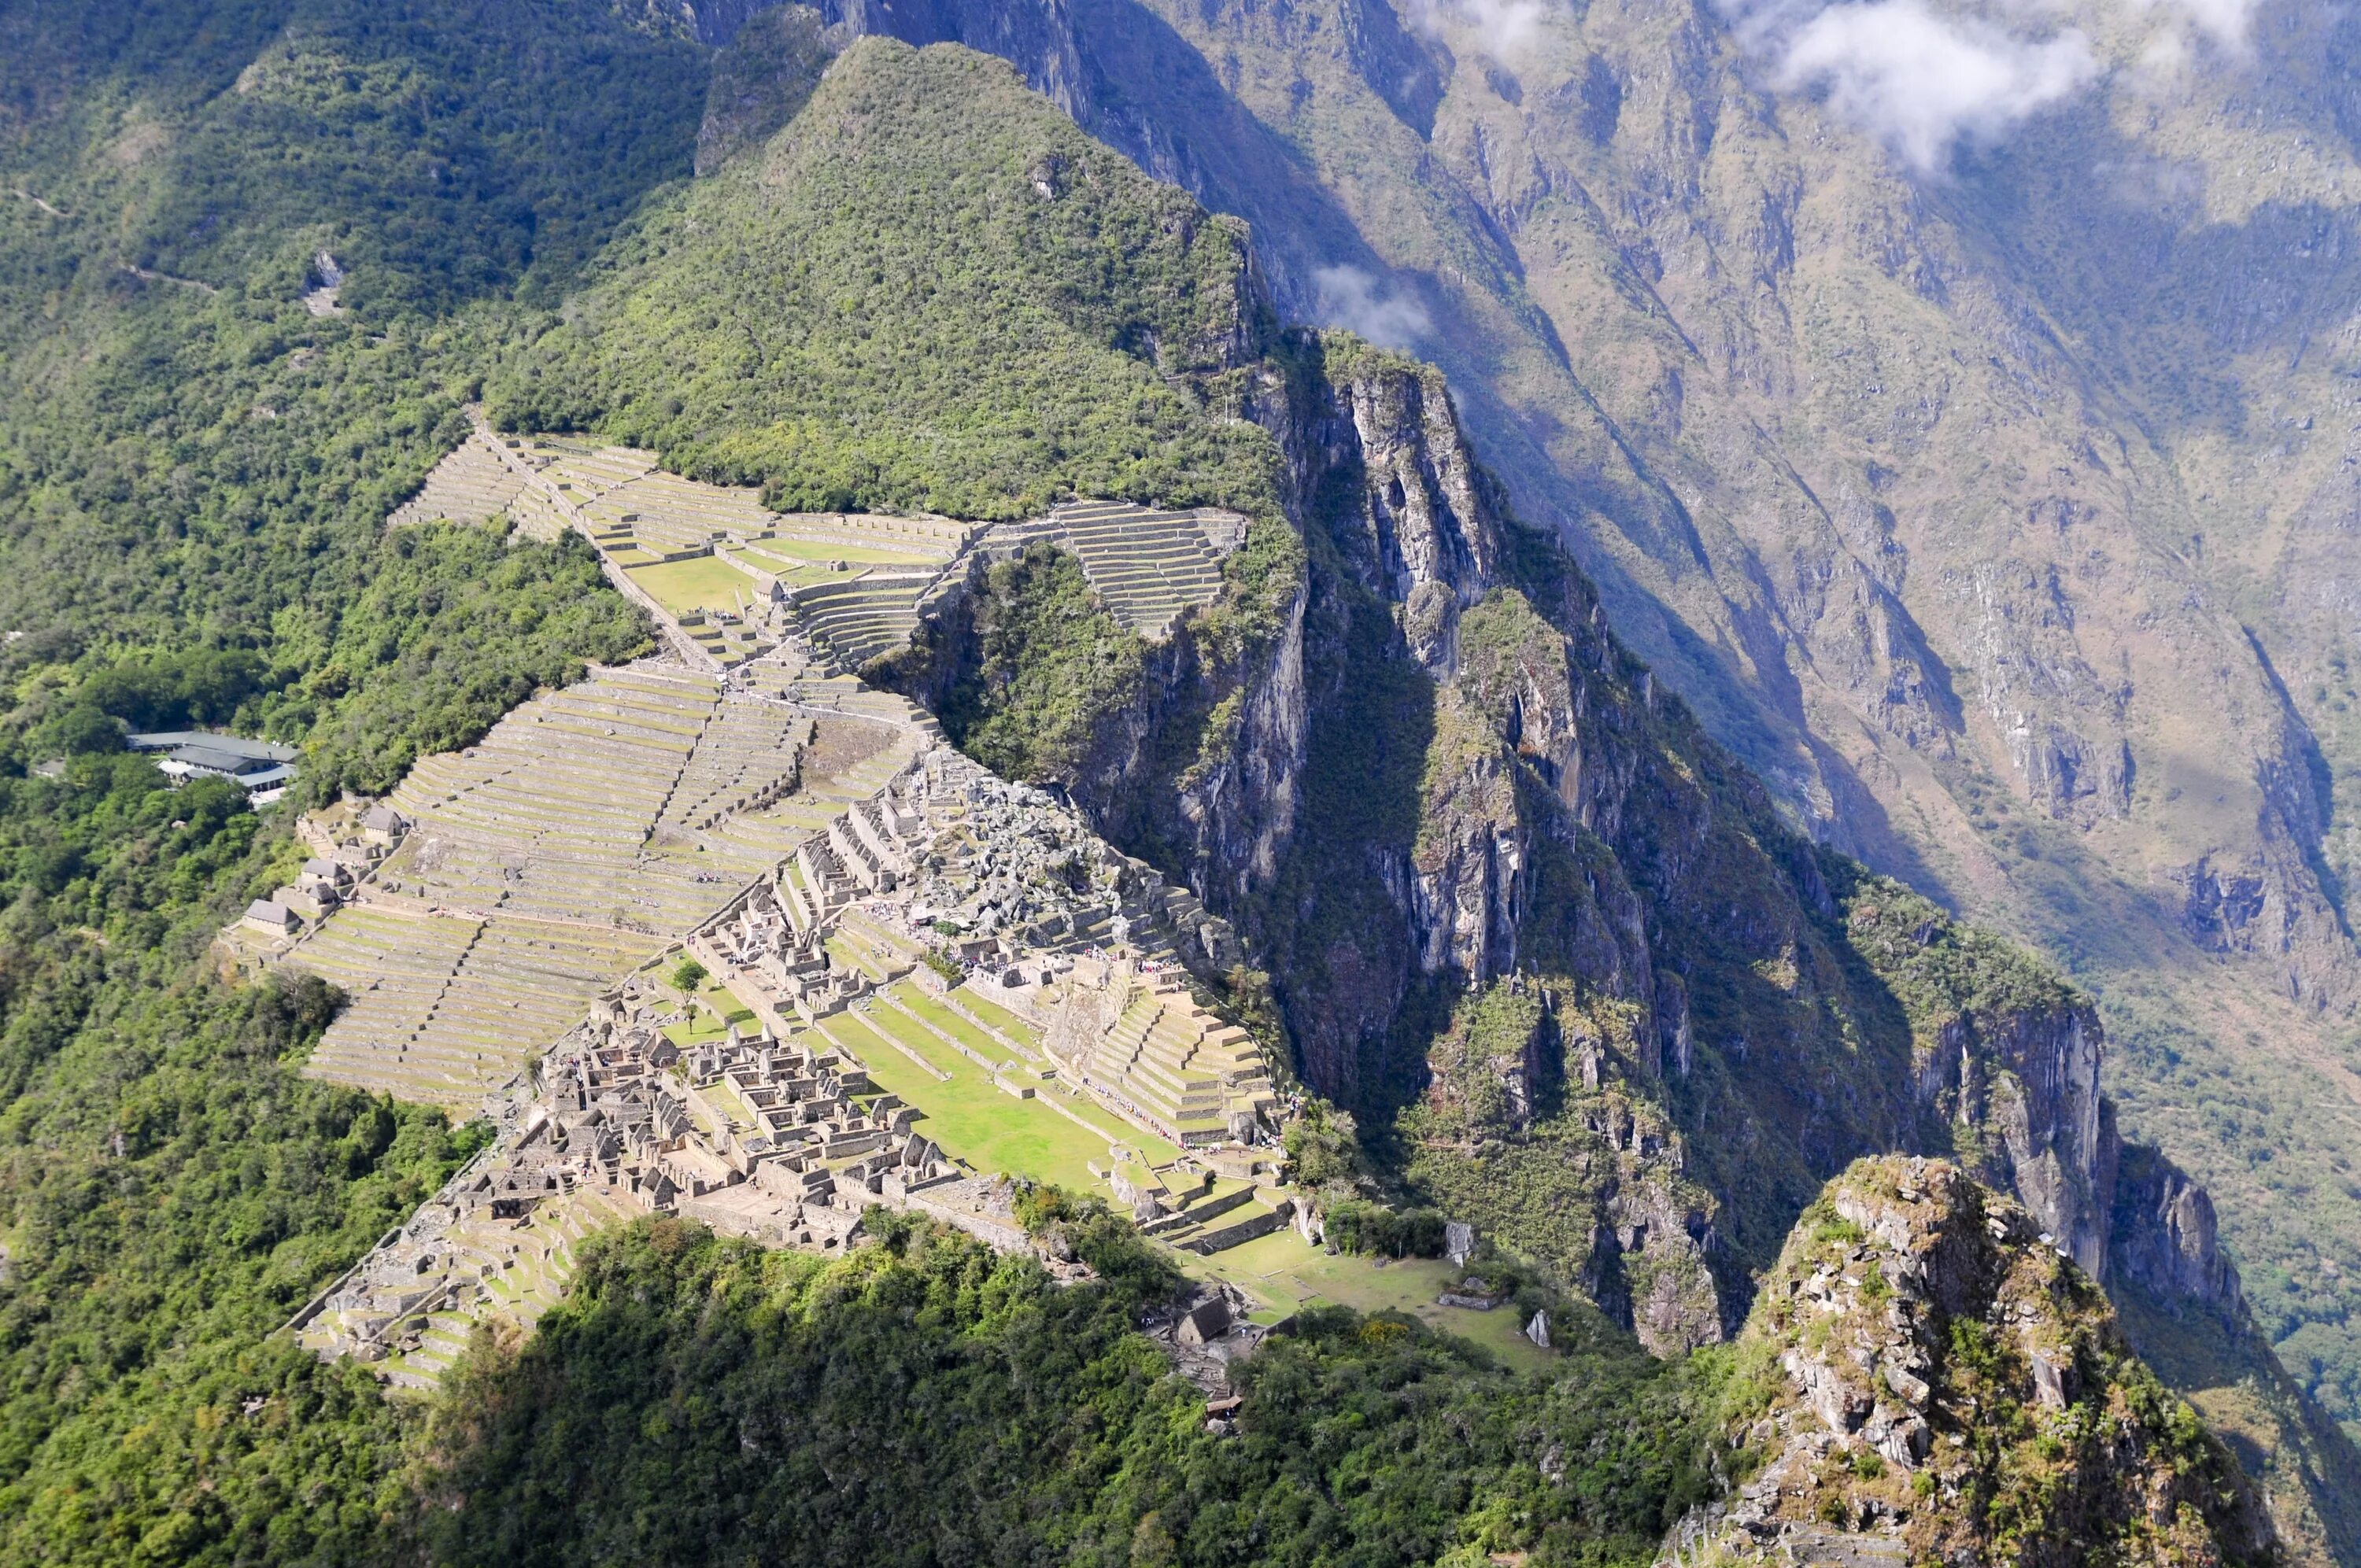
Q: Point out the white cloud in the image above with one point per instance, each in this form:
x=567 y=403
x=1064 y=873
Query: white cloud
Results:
x=2165 y=54
x=1504 y=26
x=1350 y=298
x=1923 y=83
x=2227 y=20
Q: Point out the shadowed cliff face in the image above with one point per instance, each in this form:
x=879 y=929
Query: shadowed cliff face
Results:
x=1449 y=777
x=1433 y=791
x=1559 y=951
x=1998 y=517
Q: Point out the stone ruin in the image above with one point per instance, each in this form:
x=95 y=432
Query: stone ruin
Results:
x=851 y=586
x=950 y=870
x=748 y=1134
x=507 y=886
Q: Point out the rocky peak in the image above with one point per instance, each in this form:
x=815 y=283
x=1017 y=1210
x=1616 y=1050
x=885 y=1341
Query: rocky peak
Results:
x=1943 y=501
x=1424 y=535
x=1036 y=36
x=1940 y=1385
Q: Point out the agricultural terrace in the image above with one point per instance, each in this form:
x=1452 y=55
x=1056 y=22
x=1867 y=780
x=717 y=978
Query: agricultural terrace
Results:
x=697 y=584
x=912 y=1046
x=1284 y=1273
x=590 y=828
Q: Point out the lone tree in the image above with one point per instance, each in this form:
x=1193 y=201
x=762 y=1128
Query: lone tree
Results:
x=689 y=976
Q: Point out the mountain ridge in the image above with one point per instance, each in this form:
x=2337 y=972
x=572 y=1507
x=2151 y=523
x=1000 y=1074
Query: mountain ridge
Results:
x=1543 y=936
x=1974 y=626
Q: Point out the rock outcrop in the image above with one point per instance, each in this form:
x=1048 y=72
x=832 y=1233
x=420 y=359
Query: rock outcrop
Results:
x=1943 y=1385
x=1443 y=774
x=775 y=59
x=2164 y=1238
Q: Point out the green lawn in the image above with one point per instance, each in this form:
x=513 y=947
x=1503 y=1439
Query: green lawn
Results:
x=999 y=1017
x=1081 y=1101
x=971 y=1118
x=710 y=1019
x=705 y=582
x=949 y=1021
x=793 y=553
x=1283 y=1271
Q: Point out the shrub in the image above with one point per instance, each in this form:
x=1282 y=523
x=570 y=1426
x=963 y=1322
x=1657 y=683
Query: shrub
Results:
x=1358 y=1226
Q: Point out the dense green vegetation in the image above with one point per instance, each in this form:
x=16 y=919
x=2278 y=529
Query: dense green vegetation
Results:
x=933 y=292
x=193 y=464
x=1051 y=664
x=1357 y=1227
x=697 y=1401
x=171 y=1191
x=194 y=470
x=938 y=293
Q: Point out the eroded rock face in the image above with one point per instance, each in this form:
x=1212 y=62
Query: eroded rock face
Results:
x=2165 y=1240
x=2032 y=1079
x=1570 y=822
x=1943 y=1386
x=1542 y=808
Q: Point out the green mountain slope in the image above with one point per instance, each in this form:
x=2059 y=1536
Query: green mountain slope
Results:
x=1993 y=518
x=930 y=296
x=194 y=471
x=695 y=1401
x=1444 y=772
x=1512 y=898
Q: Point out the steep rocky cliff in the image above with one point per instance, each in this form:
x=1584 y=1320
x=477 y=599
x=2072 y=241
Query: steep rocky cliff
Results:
x=1442 y=773
x=1945 y=1386
x=1995 y=509
x=1560 y=954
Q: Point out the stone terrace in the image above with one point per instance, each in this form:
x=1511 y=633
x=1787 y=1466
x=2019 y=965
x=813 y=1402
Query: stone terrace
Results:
x=445 y=1008
x=1184 y=1071
x=1148 y=565
x=473 y=485
x=665 y=517
x=852 y=583
x=854 y=620
x=593 y=826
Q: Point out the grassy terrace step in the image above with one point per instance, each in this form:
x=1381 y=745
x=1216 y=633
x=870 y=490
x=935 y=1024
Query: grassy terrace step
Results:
x=878 y=939
x=873 y=1043
x=537 y=515
x=879 y=966
x=1148 y=565
x=999 y=1017
x=975 y=1120
x=849 y=626
x=1177 y=1029
x=470 y=486
x=790 y=553
x=940 y=1017
x=649 y=710
x=877 y=582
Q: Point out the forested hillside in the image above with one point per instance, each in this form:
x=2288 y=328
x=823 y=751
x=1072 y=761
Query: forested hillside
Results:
x=1509 y=905
x=925 y=1400
x=194 y=470
x=1551 y=945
